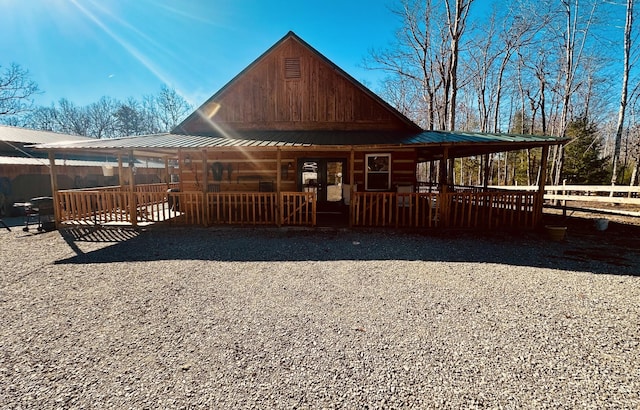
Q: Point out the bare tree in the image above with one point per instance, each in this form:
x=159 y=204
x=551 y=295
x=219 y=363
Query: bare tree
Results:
x=414 y=56
x=102 y=118
x=426 y=53
x=41 y=118
x=16 y=90
x=108 y=117
x=623 y=95
x=171 y=108
x=456 y=24
x=401 y=93
x=72 y=119
x=574 y=37
x=129 y=119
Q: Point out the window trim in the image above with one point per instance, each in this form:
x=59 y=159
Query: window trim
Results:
x=367 y=171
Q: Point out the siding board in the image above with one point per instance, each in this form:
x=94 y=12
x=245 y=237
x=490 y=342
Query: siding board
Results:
x=322 y=98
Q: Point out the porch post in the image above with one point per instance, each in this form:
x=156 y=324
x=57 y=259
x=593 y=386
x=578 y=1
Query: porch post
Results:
x=444 y=188
x=451 y=180
x=539 y=200
x=205 y=188
x=485 y=177
x=133 y=207
x=180 y=168
x=54 y=188
x=278 y=169
x=443 y=171
x=120 y=171
x=352 y=187
x=278 y=186
x=167 y=177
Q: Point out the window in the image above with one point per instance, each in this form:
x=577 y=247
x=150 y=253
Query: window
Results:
x=378 y=172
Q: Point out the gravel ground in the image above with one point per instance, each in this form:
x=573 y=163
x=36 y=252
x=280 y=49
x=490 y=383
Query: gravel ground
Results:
x=272 y=318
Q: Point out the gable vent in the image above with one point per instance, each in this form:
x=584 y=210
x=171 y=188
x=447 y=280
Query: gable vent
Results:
x=292 y=68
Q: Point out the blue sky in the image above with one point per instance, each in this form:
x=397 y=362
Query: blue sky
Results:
x=85 y=49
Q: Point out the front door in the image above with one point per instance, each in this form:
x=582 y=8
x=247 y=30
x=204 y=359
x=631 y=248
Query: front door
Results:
x=324 y=178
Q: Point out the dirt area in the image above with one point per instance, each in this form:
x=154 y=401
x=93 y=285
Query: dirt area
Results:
x=622 y=235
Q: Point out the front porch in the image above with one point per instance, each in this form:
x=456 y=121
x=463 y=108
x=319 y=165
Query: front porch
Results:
x=148 y=204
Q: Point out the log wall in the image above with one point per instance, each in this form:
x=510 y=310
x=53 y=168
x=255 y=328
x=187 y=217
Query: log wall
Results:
x=254 y=171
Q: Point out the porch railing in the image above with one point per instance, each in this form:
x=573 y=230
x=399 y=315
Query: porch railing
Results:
x=298 y=208
x=489 y=210
x=251 y=208
x=485 y=210
x=391 y=209
x=472 y=210
x=100 y=207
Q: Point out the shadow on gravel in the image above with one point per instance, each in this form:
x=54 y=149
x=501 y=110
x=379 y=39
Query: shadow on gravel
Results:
x=615 y=251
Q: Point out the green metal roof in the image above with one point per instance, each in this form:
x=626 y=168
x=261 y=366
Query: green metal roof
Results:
x=453 y=137
x=300 y=139
x=164 y=141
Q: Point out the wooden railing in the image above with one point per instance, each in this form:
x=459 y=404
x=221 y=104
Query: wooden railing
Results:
x=298 y=208
x=253 y=208
x=391 y=209
x=93 y=207
x=100 y=207
x=485 y=210
x=158 y=187
x=488 y=210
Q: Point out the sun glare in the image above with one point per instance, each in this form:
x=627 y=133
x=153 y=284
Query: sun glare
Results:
x=126 y=45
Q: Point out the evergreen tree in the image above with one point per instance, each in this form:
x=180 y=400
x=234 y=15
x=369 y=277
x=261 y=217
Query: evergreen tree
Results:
x=584 y=163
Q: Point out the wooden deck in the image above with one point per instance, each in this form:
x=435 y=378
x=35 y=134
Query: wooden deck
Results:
x=150 y=204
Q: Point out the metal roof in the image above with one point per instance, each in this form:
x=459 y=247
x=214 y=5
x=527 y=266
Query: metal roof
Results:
x=170 y=141
x=28 y=136
x=166 y=141
x=451 y=137
x=8 y=160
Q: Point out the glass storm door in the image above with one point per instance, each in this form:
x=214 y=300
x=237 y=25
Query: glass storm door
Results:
x=324 y=178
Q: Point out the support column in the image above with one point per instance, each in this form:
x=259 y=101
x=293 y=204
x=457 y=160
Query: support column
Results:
x=278 y=207
x=180 y=168
x=278 y=171
x=485 y=177
x=352 y=186
x=205 y=188
x=120 y=171
x=133 y=203
x=539 y=200
x=443 y=202
x=444 y=171
x=451 y=163
x=205 y=172
x=167 y=177
x=54 y=189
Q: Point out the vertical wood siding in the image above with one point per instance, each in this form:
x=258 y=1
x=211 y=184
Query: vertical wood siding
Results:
x=322 y=98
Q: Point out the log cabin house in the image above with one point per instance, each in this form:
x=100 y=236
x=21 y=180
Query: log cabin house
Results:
x=295 y=140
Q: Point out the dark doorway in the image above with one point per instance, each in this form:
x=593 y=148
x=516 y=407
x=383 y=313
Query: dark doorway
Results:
x=324 y=177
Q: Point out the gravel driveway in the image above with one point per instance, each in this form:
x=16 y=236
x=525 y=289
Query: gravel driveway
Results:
x=270 y=318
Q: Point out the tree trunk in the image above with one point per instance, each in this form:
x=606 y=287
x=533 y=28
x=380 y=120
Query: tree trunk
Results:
x=456 y=22
x=623 y=95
